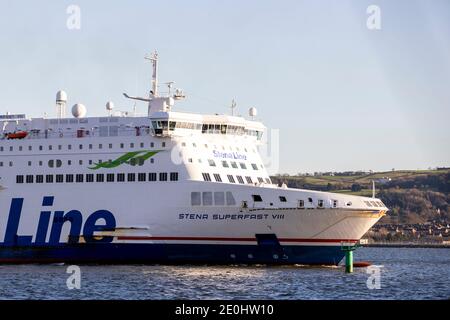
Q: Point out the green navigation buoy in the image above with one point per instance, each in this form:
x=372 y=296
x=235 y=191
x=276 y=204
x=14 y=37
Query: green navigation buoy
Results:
x=348 y=248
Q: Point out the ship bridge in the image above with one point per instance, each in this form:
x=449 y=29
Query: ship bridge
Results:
x=165 y=124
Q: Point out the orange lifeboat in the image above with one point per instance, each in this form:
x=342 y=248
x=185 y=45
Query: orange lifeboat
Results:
x=17 y=135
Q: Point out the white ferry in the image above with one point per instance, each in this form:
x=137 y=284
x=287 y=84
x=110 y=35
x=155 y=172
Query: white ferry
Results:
x=168 y=187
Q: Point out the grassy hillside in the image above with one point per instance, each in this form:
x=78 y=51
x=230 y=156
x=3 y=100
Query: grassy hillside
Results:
x=414 y=196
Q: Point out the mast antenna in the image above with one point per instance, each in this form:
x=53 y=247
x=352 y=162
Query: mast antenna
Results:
x=154 y=59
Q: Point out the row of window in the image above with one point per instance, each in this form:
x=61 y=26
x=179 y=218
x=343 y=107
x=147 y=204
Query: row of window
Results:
x=99 y=177
x=240 y=179
x=300 y=203
x=89 y=146
x=57 y=163
x=226 y=198
x=374 y=204
x=183 y=144
x=234 y=165
x=164 y=126
x=212 y=198
x=83 y=120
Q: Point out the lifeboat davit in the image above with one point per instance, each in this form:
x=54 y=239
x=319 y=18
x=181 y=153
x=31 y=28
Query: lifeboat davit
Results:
x=17 y=135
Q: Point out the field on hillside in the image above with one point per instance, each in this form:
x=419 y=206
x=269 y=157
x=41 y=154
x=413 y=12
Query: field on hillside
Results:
x=366 y=178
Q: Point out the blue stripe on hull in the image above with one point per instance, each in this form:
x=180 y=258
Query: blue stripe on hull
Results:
x=173 y=253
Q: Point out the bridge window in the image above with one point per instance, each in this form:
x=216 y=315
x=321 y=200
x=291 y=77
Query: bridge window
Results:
x=225 y=164
x=249 y=180
x=231 y=179
x=254 y=166
x=211 y=163
x=243 y=166
x=240 y=180
x=234 y=165
x=217 y=177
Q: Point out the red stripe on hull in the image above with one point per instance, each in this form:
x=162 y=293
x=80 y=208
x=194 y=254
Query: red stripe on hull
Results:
x=233 y=239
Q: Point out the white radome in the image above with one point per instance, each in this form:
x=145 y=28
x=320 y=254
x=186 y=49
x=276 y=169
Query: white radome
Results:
x=252 y=112
x=109 y=106
x=61 y=96
x=79 y=110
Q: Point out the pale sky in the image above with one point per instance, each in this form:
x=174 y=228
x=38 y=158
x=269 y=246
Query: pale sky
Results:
x=343 y=97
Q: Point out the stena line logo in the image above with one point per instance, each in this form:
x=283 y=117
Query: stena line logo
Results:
x=229 y=155
x=100 y=220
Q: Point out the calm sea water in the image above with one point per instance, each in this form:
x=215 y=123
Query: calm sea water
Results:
x=406 y=273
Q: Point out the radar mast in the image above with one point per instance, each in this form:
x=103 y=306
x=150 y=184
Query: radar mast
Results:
x=154 y=59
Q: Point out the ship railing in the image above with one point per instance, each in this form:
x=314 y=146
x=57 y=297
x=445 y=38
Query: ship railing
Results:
x=92 y=133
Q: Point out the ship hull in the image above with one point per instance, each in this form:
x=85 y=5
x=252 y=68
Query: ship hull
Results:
x=47 y=226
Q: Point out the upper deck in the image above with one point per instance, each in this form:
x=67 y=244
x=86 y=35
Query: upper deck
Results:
x=159 y=124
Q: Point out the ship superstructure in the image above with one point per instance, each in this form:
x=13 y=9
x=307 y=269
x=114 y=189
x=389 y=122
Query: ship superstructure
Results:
x=166 y=187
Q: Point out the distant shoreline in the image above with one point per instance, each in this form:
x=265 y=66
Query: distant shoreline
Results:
x=407 y=245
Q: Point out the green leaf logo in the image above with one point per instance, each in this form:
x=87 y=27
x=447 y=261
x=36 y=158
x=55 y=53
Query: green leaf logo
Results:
x=131 y=158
